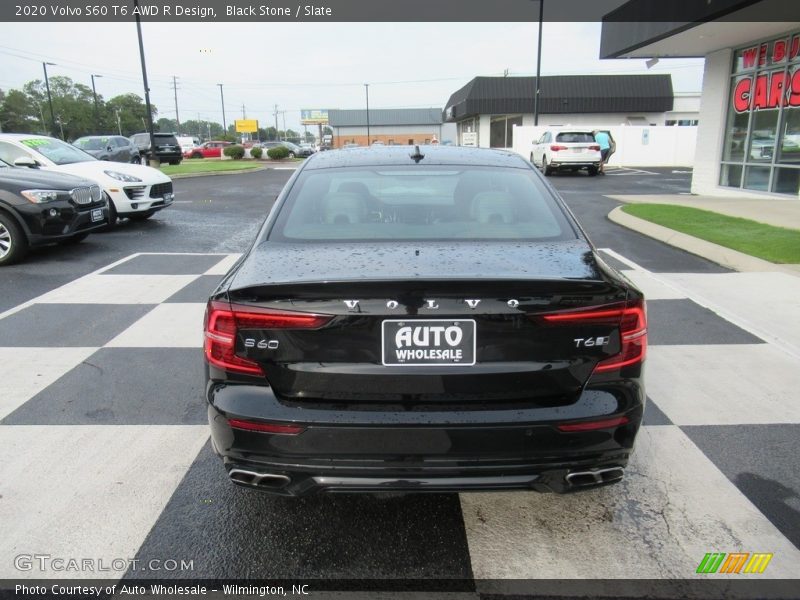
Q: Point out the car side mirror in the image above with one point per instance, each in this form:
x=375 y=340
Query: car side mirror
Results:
x=26 y=161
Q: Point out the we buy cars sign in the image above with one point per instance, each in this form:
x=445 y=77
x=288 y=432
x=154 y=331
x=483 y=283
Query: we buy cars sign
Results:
x=771 y=89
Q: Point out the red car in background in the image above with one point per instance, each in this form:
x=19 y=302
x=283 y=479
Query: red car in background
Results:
x=207 y=150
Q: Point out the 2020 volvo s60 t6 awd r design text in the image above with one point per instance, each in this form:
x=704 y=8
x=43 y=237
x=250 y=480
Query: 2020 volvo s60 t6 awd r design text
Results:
x=423 y=319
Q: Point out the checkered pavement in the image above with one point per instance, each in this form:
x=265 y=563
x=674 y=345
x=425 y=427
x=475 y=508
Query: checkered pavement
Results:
x=104 y=449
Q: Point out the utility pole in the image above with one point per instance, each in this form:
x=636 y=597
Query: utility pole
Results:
x=283 y=116
x=94 y=94
x=49 y=97
x=366 y=87
x=244 y=114
x=277 y=133
x=175 y=91
x=119 y=123
x=153 y=158
x=538 y=66
x=224 y=122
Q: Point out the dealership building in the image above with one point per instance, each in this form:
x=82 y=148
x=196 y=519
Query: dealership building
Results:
x=748 y=137
x=486 y=110
x=395 y=126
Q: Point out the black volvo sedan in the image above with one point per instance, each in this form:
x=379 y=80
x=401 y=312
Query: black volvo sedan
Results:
x=42 y=207
x=423 y=319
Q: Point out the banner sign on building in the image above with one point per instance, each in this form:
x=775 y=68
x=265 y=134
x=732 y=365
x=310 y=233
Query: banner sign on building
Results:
x=772 y=86
x=246 y=125
x=316 y=116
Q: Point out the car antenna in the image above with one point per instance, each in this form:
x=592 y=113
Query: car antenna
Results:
x=417 y=156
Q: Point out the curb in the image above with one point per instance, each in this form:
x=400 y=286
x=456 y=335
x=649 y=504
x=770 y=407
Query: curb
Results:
x=215 y=173
x=721 y=255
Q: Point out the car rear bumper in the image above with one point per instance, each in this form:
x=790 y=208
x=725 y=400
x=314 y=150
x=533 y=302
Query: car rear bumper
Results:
x=566 y=162
x=351 y=450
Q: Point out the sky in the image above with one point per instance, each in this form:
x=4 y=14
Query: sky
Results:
x=307 y=65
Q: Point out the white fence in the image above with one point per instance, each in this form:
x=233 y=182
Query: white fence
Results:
x=657 y=146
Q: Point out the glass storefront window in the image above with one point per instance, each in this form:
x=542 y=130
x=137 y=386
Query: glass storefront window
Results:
x=762 y=134
x=787 y=181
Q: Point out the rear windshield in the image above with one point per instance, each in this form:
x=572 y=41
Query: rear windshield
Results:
x=91 y=143
x=419 y=203
x=574 y=137
x=165 y=138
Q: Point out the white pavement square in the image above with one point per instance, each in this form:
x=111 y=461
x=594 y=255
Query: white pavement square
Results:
x=724 y=384
x=87 y=491
x=652 y=288
x=118 y=289
x=166 y=326
x=24 y=372
x=673 y=506
x=223 y=266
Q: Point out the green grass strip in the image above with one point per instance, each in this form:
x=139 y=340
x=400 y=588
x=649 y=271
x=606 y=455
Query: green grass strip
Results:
x=208 y=165
x=775 y=244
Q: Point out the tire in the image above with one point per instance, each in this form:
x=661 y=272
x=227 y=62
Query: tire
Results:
x=547 y=170
x=291 y=154
x=13 y=243
x=112 y=216
x=174 y=162
x=136 y=160
x=196 y=155
x=75 y=239
x=533 y=163
x=592 y=171
x=143 y=216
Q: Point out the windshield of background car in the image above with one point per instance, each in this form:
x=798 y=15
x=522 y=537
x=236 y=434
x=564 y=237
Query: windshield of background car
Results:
x=426 y=203
x=90 y=143
x=57 y=151
x=166 y=138
x=575 y=137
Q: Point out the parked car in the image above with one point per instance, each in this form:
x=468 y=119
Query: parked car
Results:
x=114 y=148
x=307 y=148
x=136 y=192
x=433 y=320
x=350 y=145
x=570 y=149
x=294 y=149
x=167 y=148
x=41 y=207
x=187 y=143
x=211 y=149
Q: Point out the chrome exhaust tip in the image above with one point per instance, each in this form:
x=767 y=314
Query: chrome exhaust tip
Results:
x=594 y=477
x=259 y=480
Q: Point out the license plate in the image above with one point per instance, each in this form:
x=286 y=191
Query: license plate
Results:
x=577 y=150
x=429 y=342
x=97 y=215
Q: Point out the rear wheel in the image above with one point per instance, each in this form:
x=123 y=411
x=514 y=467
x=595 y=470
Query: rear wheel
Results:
x=13 y=243
x=196 y=155
x=546 y=169
x=592 y=171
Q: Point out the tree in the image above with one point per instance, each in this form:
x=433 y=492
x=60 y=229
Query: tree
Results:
x=327 y=130
x=132 y=112
x=166 y=125
x=19 y=115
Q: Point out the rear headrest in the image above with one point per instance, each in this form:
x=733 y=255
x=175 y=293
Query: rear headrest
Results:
x=493 y=207
x=343 y=208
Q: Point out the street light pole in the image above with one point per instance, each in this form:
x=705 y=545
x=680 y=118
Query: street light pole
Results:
x=538 y=66
x=222 y=99
x=366 y=87
x=144 y=80
x=49 y=97
x=94 y=94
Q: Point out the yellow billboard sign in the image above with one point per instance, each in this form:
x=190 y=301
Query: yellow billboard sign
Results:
x=246 y=125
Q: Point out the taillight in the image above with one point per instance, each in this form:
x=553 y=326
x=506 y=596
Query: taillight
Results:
x=594 y=147
x=593 y=425
x=265 y=427
x=223 y=320
x=632 y=322
x=557 y=148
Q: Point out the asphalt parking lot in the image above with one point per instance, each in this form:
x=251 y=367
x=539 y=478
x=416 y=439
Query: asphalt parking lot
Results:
x=103 y=428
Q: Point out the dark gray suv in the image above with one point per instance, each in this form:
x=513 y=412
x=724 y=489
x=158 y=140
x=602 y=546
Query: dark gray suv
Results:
x=167 y=148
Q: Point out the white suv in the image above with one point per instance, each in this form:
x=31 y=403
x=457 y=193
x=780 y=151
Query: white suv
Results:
x=136 y=192
x=571 y=149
